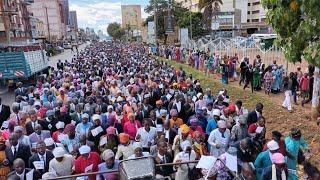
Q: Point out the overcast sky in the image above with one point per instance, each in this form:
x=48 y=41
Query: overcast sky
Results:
x=98 y=14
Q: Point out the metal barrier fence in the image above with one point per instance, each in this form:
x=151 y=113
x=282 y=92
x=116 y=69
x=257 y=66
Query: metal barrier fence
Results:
x=245 y=47
x=113 y=171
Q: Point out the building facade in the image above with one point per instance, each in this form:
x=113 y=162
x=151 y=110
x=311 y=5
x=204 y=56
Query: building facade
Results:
x=252 y=16
x=73 y=21
x=50 y=12
x=14 y=22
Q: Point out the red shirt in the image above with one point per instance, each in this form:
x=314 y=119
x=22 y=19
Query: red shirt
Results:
x=81 y=163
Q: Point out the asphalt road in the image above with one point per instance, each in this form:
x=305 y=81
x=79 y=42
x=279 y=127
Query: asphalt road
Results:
x=8 y=97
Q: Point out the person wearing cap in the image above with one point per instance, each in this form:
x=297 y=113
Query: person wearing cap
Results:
x=62 y=164
x=278 y=170
x=138 y=151
x=212 y=122
x=187 y=154
x=194 y=126
x=240 y=130
x=95 y=138
x=200 y=103
x=219 y=139
x=83 y=127
x=175 y=121
x=264 y=160
x=23 y=139
x=41 y=155
x=109 y=141
x=50 y=121
x=277 y=136
x=294 y=143
x=125 y=148
x=131 y=127
x=69 y=138
x=59 y=131
x=87 y=158
x=146 y=135
x=110 y=164
x=182 y=136
x=51 y=145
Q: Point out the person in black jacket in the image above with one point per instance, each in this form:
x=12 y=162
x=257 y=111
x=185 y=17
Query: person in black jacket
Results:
x=4 y=112
x=41 y=155
x=243 y=69
x=20 y=171
x=17 y=150
x=249 y=78
x=163 y=157
x=255 y=114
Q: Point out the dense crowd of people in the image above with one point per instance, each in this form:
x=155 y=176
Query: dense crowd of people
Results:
x=270 y=77
x=113 y=101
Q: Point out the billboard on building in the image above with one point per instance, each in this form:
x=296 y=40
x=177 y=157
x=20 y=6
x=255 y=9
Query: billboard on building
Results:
x=184 y=36
x=131 y=16
x=151 y=27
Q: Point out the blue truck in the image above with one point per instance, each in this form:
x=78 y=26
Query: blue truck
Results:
x=21 y=62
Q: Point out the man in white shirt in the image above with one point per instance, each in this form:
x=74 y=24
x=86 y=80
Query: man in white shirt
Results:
x=146 y=135
x=219 y=139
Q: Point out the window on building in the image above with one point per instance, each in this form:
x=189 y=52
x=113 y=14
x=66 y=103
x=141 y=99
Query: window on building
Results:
x=255 y=20
x=256 y=12
x=248 y=4
x=2 y=34
x=263 y=19
x=248 y=12
x=248 y=20
x=256 y=3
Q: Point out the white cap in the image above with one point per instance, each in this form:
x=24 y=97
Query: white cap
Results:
x=49 y=141
x=96 y=117
x=37 y=103
x=137 y=145
x=199 y=94
x=60 y=125
x=272 y=145
x=110 y=107
x=222 y=124
x=108 y=153
x=84 y=149
x=216 y=112
x=58 y=152
x=159 y=127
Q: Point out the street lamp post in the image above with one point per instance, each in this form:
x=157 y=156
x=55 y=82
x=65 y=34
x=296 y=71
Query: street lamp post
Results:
x=190 y=19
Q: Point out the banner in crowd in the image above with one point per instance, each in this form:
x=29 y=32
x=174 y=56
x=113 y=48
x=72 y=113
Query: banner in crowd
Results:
x=184 y=36
x=131 y=16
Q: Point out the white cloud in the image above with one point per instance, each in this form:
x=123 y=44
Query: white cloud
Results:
x=97 y=14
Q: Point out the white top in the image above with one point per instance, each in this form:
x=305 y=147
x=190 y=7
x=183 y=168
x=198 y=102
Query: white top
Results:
x=147 y=136
x=64 y=167
x=215 y=138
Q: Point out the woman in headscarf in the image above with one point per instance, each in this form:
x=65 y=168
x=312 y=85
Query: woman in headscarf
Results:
x=131 y=127
x=96 y=130
x=70 y=139
x=183 y=135
x=4 y=168
x=125 y=149
x=109 y=165
x=293 y=143
x=186 y=155
x=175 y=122
x=109 y=141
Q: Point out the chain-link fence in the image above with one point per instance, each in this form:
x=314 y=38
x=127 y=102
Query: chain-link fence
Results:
x=244 y=47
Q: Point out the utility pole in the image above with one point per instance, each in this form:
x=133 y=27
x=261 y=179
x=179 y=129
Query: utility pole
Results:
x=190 y=19
x=48 y=25
x=7 y=27
x=155 y=19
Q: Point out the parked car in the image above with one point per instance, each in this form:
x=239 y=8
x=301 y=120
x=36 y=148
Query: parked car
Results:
x=67 y=46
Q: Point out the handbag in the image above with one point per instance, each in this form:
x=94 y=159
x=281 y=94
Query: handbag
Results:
x=301 y=158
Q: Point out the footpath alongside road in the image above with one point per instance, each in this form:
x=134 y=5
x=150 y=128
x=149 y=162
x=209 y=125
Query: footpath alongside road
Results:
x=8 y=97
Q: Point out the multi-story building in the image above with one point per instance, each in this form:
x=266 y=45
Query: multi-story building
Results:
x=240 y=17
x=14 y=22
x=37 y=28
x=73 y=21
x=50 y=12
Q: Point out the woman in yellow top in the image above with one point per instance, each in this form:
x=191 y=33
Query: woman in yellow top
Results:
x=4 y=164
x=175 y=122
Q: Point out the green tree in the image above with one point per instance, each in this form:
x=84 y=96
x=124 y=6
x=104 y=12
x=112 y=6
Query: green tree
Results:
x=161 y=6
x=114 y=30
x=198 y=29
x=297 y=23
x=210 y=10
